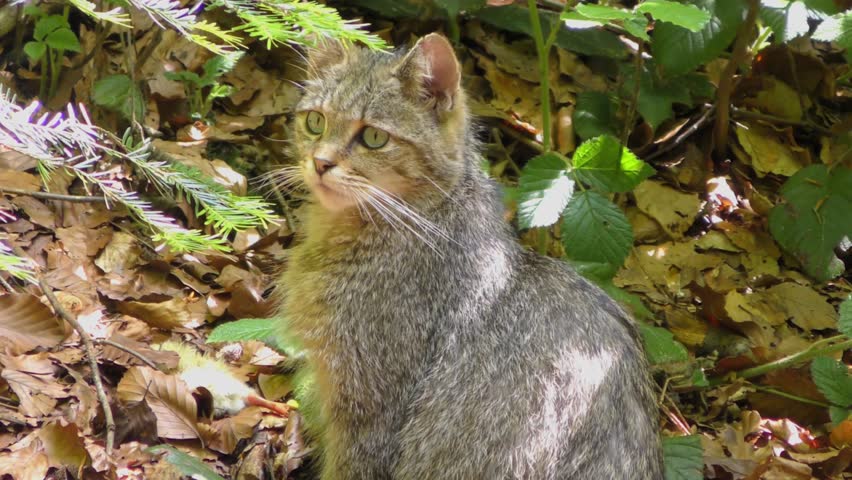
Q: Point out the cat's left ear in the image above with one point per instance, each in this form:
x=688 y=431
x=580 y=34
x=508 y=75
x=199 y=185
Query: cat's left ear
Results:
x=431 y=68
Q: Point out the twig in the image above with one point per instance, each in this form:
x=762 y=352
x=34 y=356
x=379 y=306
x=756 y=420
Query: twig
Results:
x=543 y=50
x=817 y=349
x=726 y=82
x=54 y=196
x=126 y=349
x=90 y=353
x=708 y=113
x=797 y=398
x=739 y=112
x=520 y=137
x=634 y=98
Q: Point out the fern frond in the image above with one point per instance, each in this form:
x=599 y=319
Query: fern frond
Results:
x=185 y=21
x=20 y=268
x=290 y=21
x=116 y=15
x=66 y=141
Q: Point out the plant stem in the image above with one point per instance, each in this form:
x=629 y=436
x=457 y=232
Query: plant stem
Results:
x=817 y=349
x=543 y=51
x=797 y=398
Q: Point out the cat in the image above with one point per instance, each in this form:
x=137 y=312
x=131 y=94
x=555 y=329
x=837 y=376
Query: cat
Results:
x=437 y=345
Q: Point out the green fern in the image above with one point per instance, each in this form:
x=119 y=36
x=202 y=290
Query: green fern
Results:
x=20 y=268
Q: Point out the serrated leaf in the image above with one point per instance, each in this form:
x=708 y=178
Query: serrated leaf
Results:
x=543 y=191
x=595 y=230
x=454 y=7
x=515 y=18
x=603 y=12
x=838 y=414
x=683 y=457
x=838 y=29
x=602 y=163
x=678 y=50
x=787 y=21
x=245 y=329
x=844 y=323
x=594 y=115
x=815 y=217
x=35 y=50
x=661 y=347
x=687 y=16
x=833 y=380
x=185 y=463
x=63 y=39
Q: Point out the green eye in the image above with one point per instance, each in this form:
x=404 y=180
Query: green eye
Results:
x=374 y=138
x=315 y=122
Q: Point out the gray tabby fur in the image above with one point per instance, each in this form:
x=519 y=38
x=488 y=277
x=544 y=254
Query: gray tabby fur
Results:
x=444 y=349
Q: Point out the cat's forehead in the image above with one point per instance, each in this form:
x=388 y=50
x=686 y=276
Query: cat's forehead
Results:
x=353 y=84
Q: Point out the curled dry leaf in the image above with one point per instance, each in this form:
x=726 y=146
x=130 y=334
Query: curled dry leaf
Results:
x=168 y=397
x=64 y=446
x=26 y=323
x=225 y=433
x=26 y=460
x=177 y=312
x=163 y=358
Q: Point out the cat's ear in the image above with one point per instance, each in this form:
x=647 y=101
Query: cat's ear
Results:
x=431 y=68
x=324 y=53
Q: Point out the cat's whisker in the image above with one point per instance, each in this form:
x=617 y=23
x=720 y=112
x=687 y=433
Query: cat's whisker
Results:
x=406 y=211
x=438 y=187
x=419 y=226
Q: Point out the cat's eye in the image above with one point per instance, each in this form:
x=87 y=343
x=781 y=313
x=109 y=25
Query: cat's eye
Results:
x=374 y=138
x=315 y=122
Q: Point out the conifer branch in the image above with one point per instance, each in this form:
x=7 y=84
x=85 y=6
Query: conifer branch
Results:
x=18 y=267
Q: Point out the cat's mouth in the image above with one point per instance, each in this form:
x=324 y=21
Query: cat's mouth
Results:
x=330 y=194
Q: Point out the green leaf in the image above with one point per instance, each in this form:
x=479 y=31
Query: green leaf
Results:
x=833 y=380
x=454 y=7
x=45 y=25
x=844 y=323
x=63 y=39
x=595 y=230
x=661 y=347
x=786 y=22
x=602 y=163
x=185 y=463
x=683 y=458
x=515 y=18
x=837 y=28
x=638 y=27
x=594 y=115
x=35 y=50
x=838 y=414
x=119 y=93
x=657 y=95
x=678 y=50
x=245 y=329
x=543 y=191
x=631 y=301
x=687 y=16
x=823 y=6
x=603 y=12
x=815 y=217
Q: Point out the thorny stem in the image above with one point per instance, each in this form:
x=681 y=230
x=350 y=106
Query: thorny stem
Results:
x=543 y=51
x=726 y=82
x=90 y=354
x=817 y=349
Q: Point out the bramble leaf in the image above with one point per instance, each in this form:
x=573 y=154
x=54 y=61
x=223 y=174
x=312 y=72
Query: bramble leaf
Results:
x=244 y=329
x=594 y=115
x=595 y=230
x=661 y=347
x=543 y=191
x=815 y=217
x=833 y=380
x=683 y=15
x=602 y=163
x=683 y=457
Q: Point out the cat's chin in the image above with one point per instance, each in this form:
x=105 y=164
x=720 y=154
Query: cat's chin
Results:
x=331 y=199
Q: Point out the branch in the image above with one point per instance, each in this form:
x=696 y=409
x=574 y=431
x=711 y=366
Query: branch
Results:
x=739 y=112
x=54 y=196
x=726 y=82
x=90 y=354
x=128 y=350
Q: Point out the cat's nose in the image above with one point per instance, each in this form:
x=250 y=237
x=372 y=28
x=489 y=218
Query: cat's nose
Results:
x=323 y=164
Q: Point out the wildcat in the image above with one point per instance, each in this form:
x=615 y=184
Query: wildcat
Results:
x=438 y=346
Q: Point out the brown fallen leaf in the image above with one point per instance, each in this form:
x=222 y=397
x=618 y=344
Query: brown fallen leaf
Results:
x=164 y=359
x=169 y=398
x=26 y=460
x=64 y=446
x=222 y=435
x=177 y=312
x=675 y=211
x=26 y=323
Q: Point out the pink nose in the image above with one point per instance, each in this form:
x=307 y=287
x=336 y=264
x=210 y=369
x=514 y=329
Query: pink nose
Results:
x=322 y=164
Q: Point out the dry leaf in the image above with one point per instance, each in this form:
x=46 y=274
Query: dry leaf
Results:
x=164 y=359
x=28 y=462
x=767 y=153
x=177 y=312
x=168 y=397
x=230 y=430
x=64 y=446
x=26 y=323
x=675 y=211
x=120 y=255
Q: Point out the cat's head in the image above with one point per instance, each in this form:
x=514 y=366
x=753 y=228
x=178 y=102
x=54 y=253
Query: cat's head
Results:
x=373 y=124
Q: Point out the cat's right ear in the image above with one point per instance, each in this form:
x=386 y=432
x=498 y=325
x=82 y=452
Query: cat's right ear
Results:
x=432 y=69
x=324 y=53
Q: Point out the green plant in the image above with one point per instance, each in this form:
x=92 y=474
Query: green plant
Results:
x=203 y=89
x=832 y=377
x=52 y=37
